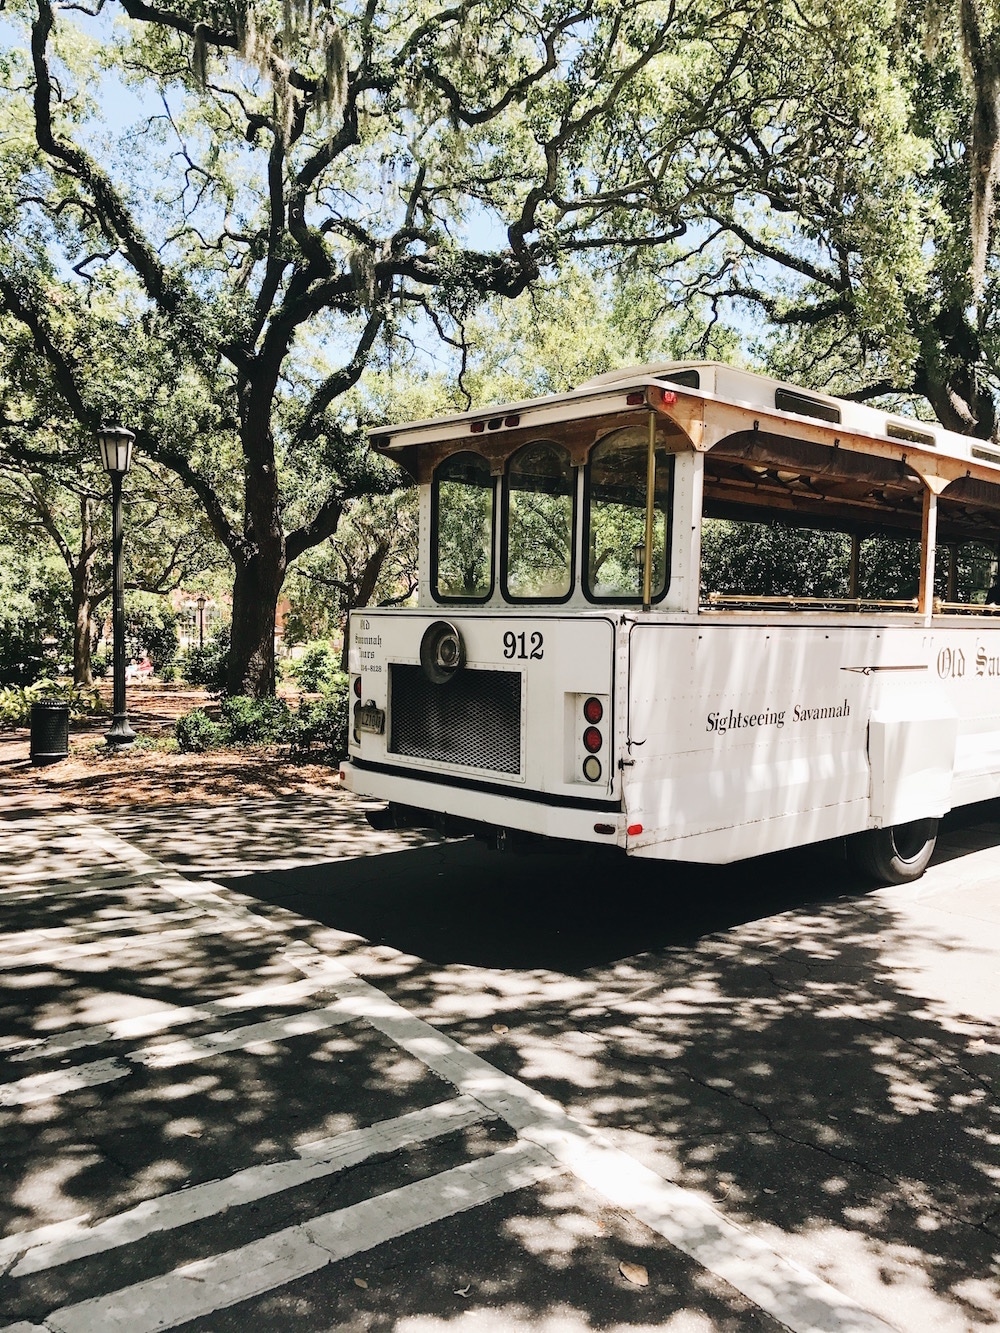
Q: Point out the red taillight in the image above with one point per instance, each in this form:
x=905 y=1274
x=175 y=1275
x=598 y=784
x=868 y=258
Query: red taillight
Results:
x=636 y=399
x=668 y=397
x=593 y=710
x=592 y=740
x=478 y=427
x=357 y=687
x=604 y=828
x=634 y=830
x=512 y=421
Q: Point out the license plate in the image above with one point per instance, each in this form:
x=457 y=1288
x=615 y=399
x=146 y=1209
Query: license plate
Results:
x=369 y=718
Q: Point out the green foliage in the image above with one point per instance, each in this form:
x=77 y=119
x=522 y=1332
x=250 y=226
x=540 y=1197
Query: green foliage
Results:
x=150 y=629
x=208 y=665
x=195 y=732
x=34 y=626
x=778 y=560
x=246 y=721
x=16 y=700
x=324 y=722
x=315 y=668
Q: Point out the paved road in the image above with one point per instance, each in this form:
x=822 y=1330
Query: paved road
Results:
x=267 y=1069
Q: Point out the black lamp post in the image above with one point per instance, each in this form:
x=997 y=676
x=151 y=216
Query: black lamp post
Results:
x=201 y=620
x=116 y=455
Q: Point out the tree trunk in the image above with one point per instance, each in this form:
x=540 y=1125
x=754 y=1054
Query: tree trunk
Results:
x=82 y=575
x=83 y=637
x=946 y=374
x=256 y=589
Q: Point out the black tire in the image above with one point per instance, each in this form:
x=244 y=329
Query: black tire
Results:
x=895 y=855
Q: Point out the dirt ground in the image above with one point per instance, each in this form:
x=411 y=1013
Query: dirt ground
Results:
x=98 y=777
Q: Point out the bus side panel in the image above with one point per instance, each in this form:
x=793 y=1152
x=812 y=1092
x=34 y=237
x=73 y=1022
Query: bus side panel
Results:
x=747 y=739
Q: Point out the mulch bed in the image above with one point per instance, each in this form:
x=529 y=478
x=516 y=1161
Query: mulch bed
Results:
x=97 y=777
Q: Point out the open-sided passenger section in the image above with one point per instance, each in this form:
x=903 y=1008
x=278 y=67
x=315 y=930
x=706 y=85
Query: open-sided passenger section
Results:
x=791 y=523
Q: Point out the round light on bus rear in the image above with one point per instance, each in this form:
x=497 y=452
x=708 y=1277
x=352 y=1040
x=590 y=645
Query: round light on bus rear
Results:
x=357 y=687
x=592 y=739
x=593 y=710
x=592 y=768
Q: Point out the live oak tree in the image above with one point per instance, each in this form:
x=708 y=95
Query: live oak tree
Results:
x=314 y=185
x=852 y=219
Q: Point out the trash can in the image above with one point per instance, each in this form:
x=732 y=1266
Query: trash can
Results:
x=49 y=732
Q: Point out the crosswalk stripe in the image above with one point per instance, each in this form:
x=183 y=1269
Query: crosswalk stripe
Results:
x=226 y=1279
x=17 y=942
x=116 y=944
x=145 y=1025
x=43 y=1087
x=165 y=1055
x=321 y=1157
x=185 y=1050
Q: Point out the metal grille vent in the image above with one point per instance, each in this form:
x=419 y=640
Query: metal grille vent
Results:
x=473 y=721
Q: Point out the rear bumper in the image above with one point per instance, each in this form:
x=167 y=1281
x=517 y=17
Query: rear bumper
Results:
x=531 y=812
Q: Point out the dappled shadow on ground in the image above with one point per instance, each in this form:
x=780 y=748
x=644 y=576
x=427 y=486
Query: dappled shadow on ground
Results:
x=149 y=1131
x=757 y=1032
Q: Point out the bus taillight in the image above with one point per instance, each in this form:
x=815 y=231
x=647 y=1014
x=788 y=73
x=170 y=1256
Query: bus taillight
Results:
x=593 y=710
x=592 y=740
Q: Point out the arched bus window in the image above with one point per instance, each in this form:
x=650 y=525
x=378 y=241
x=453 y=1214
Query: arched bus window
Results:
x=462 y=531
x=538 y=524
x=616 y=517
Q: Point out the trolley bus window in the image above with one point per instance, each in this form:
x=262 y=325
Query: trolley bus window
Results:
x=538 y=555
x=616 y=516
x=463 y=510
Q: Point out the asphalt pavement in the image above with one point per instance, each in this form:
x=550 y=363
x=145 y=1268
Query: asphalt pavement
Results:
x=265 y=1068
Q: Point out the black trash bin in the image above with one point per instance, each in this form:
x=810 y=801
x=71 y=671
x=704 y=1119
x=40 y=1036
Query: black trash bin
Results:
x=49 y=732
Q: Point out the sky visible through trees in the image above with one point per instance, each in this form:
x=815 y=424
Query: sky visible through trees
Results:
x=248 y=231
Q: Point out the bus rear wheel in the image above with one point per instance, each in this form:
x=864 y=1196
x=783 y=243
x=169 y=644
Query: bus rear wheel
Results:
x=895 y=855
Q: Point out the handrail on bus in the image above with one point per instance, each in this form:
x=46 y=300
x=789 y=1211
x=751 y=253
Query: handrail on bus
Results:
x=965 y=608
x=725 y=599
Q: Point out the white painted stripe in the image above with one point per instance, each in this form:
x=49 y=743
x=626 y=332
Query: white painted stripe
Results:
x=16 y=941
x=164 y=1055
x=12 y=1247
x=28 y=884
x=115 y=945
x=158 y=1020
x=201 y=1288
x=321 y=1157
x=43 y=1087
x=184 y=1051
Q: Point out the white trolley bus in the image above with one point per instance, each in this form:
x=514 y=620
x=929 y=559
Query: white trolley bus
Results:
x=565 y=674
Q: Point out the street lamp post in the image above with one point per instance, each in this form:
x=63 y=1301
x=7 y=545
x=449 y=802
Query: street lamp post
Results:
x=201 y=620
x=116 y=455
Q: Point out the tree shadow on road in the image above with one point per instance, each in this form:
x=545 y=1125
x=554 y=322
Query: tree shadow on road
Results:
x=760 y=1032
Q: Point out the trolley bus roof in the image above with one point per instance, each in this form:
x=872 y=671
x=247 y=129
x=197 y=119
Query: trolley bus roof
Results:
x=708 y=382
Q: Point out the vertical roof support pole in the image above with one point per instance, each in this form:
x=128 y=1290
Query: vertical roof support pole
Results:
x=647 y=564
x=928 y=551
x=854 y=569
